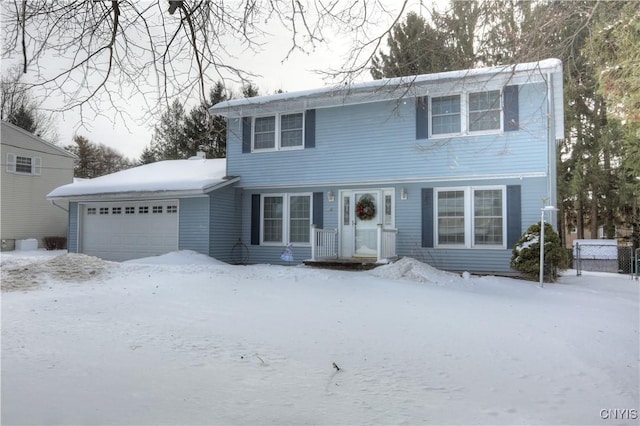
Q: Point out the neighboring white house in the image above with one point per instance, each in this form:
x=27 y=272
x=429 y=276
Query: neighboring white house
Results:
x=31 y=168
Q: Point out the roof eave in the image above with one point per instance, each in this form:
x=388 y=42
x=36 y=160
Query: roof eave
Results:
x=146 y=195
x=381 y=90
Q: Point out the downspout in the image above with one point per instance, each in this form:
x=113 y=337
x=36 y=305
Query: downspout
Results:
x=53 y=202
x=551 y=147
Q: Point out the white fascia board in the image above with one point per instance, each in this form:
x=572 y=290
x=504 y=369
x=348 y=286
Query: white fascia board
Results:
x=390 y=89
x=145 y=195
x=116 y=196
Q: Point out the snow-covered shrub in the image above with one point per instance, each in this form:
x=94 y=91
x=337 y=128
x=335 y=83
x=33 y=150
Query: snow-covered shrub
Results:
x=526 y=253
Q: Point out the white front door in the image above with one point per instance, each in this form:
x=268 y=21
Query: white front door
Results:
x=361 y=212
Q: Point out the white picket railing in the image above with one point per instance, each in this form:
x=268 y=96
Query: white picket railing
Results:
x=324 y=243
x=386 y=243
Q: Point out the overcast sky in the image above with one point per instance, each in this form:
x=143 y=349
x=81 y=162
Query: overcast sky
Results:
x=298 y=72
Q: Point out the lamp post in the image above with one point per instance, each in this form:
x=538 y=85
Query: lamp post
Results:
x=543 y=211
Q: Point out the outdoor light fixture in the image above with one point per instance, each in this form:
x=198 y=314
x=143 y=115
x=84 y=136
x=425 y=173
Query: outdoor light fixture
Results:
x=543 y=210
x=330 y=196
x=403 y=193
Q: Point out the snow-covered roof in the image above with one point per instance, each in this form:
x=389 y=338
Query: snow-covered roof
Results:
x=170 y=177
x=391 y=88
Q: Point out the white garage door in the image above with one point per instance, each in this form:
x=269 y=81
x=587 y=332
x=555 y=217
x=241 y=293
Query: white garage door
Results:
x=128 y=230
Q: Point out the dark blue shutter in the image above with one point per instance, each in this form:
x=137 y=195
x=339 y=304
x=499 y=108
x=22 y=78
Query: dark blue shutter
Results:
x=514 y=216
x=427 y=217
x=318 y=209
x=246 y=135
x=510 y=108
x=255 y=219
x=422 y=117
x=310 y=128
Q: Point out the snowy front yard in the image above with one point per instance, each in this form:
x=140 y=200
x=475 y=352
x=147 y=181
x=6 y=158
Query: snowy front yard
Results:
x=183 y=339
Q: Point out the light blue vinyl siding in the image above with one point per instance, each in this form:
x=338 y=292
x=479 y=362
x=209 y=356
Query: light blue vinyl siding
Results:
x=225 y=206
x=72 y=237
x=409 y=224
x=271 y=254
x=377 y=142
x=193 y=227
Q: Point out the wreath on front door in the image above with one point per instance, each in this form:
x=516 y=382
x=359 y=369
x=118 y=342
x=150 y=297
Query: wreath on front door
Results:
x=365 y=208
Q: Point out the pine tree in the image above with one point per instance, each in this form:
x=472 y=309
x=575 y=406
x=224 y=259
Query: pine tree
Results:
x=206 y=133
x=96 y=160
x=169 y=141
x=526 y=253
x=415 y=47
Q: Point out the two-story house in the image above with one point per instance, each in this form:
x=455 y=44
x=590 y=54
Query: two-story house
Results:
x=450 y=168
x=31 y=168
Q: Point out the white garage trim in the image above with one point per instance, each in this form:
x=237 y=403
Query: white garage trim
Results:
x=125 y=230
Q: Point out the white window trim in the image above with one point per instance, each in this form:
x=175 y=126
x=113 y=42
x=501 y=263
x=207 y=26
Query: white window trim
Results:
x=12 y=160
x=469 y=215
x=277 y=130
x=285 y=218
x=464 y=115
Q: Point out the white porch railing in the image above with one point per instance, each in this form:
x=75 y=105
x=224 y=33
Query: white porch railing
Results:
x=324 y=243
x=386 y=243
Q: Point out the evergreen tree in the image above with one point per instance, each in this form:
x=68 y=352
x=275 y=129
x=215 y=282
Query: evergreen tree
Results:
x=249 y=90
x=169 y=141
x=526 y=253
x=148 y=155
x=96 y=160
x=415 y=47
x=206 y=133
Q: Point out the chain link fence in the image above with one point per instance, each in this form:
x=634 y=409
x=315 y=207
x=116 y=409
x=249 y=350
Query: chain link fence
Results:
x=606 y=257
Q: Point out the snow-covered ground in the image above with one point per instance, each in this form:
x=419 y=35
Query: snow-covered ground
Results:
x=184 y=339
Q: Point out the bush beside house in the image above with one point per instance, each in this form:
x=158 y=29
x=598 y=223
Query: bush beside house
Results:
x=526 y=253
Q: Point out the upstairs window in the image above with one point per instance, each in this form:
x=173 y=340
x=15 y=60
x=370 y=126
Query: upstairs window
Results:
x=484 y=111
x=264 y=133
x=23 y=165
x=472 y=112
x=278 y=132
x=291 y=128
x=445 y=115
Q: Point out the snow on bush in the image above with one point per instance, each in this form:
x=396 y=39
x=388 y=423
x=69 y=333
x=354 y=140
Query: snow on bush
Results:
x=526 y=253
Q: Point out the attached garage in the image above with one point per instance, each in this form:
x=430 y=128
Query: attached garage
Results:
x=128 y=229
x=153 y=209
